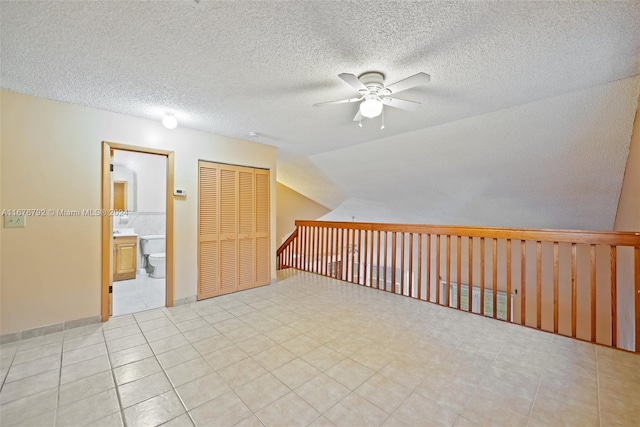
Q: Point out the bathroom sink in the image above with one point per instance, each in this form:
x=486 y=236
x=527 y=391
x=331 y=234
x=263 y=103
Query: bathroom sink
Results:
x=124 y=232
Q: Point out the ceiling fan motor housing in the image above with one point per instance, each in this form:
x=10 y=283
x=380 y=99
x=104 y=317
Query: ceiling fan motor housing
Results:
x=373 y=80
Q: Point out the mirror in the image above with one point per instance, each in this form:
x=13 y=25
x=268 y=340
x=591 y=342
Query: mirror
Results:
x=124 y=188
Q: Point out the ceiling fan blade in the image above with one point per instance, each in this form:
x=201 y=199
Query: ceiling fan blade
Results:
x=353 y=81
x=358 y=116
x=342 y=101
x=413 y=81
x=402 y=104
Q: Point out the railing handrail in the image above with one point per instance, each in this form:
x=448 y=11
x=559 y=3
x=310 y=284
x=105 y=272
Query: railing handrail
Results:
x=615 y=238
x=287 y=242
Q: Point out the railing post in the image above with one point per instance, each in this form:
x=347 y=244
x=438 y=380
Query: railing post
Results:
x=636 y=275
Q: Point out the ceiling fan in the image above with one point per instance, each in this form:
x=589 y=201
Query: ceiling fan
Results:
x=374 y=95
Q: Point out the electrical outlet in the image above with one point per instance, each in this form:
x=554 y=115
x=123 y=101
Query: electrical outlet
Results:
x=14 y=221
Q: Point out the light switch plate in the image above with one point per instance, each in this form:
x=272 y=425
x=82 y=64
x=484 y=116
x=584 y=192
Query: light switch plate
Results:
x=14 y=221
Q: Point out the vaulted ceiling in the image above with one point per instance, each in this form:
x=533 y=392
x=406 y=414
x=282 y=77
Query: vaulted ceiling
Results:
x=526 y=121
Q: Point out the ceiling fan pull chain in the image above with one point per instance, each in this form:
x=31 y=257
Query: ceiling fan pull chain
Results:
x=382 y=119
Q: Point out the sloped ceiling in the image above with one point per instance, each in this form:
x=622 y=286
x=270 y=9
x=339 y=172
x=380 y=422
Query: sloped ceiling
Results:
x=526 y=122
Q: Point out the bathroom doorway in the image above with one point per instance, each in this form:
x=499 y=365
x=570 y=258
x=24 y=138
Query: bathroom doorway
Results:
x=137 y=229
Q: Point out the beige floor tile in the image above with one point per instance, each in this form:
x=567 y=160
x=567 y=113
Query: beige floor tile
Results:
x=217 y=317
x=41 y=341
x=225 y=357
x=289 y=410
x=251 y=421
x=124 y=343
x=261 y=391
x=455 y=395
x=321 y=422
x=31 y=354
x=48 y=419
x=143 y=389
x=83 y=341
x=145 y=316
x=118 y=322
x=418 y=410
x=392 y=421
x=28 y=386
x=226 y=410
x=463 y=422
x=295 y=373
x=183 y=420
x=121 y=332
x=483 y=410
x=84 y=353
x=86 y=387
x=322 y=392
x=84 y=369
x=155 y=411
x=193 y=323
x=167 y=344
x=242 y=372
x=160 y=333
x=188 y=371
x=274 y=357
x=200 y=333
x=130 y=355
x=202 y=390
x=158 y=323
x=350 y=373
x=256 y=344
x=214 y=343
x=383 y=392
x=229 y=324
x=177 y=356
x=136 y=370
x=113 y=420
x=181 y=315
x=554 y=411
x=300 y=345
x=323 y=357
x=282 y=334
x=354 y=410
x=34 y=367
x=29 y=407
x=88 y=410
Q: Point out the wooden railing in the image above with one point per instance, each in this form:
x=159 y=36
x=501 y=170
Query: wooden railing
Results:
x=574 y=283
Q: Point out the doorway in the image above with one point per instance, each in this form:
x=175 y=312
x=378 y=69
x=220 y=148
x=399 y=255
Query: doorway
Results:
x=137 y=242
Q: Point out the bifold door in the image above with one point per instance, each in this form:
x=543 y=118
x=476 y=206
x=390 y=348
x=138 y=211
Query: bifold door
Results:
x=233 y=228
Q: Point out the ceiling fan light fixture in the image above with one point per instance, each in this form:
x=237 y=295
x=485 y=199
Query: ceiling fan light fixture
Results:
x=371 y=107
x=169 y=121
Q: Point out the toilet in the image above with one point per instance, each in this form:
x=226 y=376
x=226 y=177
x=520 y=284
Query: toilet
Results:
x=153 y=247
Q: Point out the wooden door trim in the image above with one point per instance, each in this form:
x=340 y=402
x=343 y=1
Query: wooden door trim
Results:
x=106 y=223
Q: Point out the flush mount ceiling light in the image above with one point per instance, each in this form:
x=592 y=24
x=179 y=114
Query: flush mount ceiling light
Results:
x=169 y=121
x=374 y=95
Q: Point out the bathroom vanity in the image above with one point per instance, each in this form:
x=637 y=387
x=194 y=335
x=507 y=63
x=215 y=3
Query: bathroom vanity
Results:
x=124 y=257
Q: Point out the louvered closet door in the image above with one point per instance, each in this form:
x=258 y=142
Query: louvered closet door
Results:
x=228 y=230
x=208 y=251
x=246 y=228
x=263 y=263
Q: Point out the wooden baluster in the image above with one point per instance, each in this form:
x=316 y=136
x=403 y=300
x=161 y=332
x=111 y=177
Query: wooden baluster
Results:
x=419 y=266
x=556 y=281
x=494 y=276
x=410 y=284
x=459 y=269
x=614 y=296
x=428 y=267
x=316 y=248
x=393 y=261
x=336 y=252
x=470 y=273
x=438 y=269
x=341 y=253
x=325 y=252
x=482 y=276
x=378 y=259
x=384 y=270
x=574 y=270
x=523 y=282
x=539 y=285
x=360 y=253
x=592 y=274
x=366 y=252
x=508 y=280
x=636 y=275
x=447 y=297
x=402 y=264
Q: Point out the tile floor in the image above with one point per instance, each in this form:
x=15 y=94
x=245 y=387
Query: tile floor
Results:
x=314 y=351
x=139 y=294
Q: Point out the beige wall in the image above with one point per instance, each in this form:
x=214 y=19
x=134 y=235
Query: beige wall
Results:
x=51 y=159
x=292 y=206
x=628 y=219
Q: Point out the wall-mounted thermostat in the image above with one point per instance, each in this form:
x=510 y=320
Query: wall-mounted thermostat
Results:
x=179 y=192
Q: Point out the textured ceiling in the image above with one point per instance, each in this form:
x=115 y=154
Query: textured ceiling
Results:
x=235 y=67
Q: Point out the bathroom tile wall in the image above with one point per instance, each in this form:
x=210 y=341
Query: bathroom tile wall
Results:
x=143 y=223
